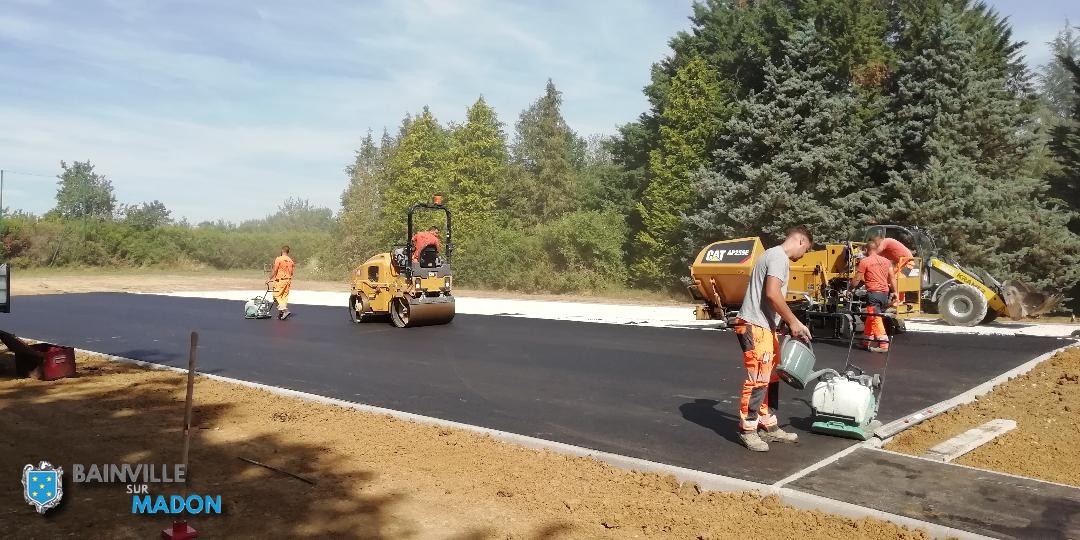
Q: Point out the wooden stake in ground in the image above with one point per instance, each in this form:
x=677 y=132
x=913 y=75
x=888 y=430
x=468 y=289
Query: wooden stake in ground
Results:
x=180 y=529
x=187 y=405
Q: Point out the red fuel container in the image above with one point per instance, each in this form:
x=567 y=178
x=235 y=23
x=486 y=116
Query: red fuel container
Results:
x=58 y=361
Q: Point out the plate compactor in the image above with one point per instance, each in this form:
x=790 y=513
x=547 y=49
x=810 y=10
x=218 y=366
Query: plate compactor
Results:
x=844 y=404
x=259 y=307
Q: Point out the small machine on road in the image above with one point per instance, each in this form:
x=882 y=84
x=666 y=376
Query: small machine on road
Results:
x=259 y=307
x=844 y=403
x=409 y=291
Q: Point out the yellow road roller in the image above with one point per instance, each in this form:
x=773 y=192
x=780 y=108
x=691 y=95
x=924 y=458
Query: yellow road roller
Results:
x=411 y=284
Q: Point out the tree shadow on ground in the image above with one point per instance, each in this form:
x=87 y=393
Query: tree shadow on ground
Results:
x=112 y=413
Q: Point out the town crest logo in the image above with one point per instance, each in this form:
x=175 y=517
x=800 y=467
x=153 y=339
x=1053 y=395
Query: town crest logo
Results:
x=42 y=486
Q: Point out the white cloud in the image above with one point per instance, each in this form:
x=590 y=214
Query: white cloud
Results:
x=224 y=110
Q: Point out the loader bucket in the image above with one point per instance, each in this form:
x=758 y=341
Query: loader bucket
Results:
x=1023 y=301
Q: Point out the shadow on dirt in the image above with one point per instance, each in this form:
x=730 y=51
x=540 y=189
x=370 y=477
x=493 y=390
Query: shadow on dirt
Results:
x=112 y=413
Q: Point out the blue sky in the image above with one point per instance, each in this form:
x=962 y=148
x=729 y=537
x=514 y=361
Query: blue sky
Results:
x=225 y=109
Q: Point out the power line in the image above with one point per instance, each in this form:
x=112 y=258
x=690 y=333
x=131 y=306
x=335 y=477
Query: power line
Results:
x=9 y=171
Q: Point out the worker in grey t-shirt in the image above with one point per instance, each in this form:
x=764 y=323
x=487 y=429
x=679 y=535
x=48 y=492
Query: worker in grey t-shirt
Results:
x=756 y=308
x=764 y=306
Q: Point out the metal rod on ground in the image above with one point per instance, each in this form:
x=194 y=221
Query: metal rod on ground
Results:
x=282 y=471
x=890 y=329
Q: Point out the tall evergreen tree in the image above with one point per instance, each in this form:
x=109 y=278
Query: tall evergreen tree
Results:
x=691 y=121
x=604 y=183
x=945 y=95
x=413 y=175
x=853 y=33
x=1065 y=148
x=792 y=155
x=361 y=203
x=961 y=145
x=546 y=154
x=734 y=38
x=476 y=168
x=1056 y=83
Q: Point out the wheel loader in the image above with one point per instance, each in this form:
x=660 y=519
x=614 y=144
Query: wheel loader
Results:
x=408 y=292
x=721 y=270
x=965 y=296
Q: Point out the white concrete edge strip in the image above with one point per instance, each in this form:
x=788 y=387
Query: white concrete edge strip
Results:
x=706 y=481
x=969 y=440
x=893 y=428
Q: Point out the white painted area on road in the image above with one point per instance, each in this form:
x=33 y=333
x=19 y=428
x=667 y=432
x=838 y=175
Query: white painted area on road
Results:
x=999 y=328
x=641 y=315
x=630 y=314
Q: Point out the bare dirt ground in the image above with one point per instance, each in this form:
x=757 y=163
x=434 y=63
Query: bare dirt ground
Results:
x=374 y=476
x=1045 y=403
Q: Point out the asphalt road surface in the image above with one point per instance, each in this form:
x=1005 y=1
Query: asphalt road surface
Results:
x=667 y=395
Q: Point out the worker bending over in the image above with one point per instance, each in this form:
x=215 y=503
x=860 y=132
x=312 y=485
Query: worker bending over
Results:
x=757 y=327
x=897 y=253
x=424 y=239
x=876 y=272
x=281 y=277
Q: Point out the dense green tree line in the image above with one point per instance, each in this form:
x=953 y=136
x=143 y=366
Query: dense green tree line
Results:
x=88 y=227
x=832 y=113
x=836 y=114
x=541 y=209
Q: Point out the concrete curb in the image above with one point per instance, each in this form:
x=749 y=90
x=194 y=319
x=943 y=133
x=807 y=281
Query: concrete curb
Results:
x=890 y=430
x=707 y=481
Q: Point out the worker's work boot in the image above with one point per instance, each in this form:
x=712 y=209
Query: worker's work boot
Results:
x=879 y=345
x=283 y=315
x=753 y=441
x=779 y=435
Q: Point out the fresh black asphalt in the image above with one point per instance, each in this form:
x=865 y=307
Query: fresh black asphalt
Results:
x=975 y=500
x=667 y=395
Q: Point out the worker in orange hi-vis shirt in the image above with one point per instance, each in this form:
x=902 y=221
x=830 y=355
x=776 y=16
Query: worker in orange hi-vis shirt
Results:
x=897 y=253
x=424 y=239
x=876 y=272
x=281 y=276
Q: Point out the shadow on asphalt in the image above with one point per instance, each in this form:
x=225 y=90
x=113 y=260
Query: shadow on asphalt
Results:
x=704 y=413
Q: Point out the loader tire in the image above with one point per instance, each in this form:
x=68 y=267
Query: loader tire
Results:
x=962 y=305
